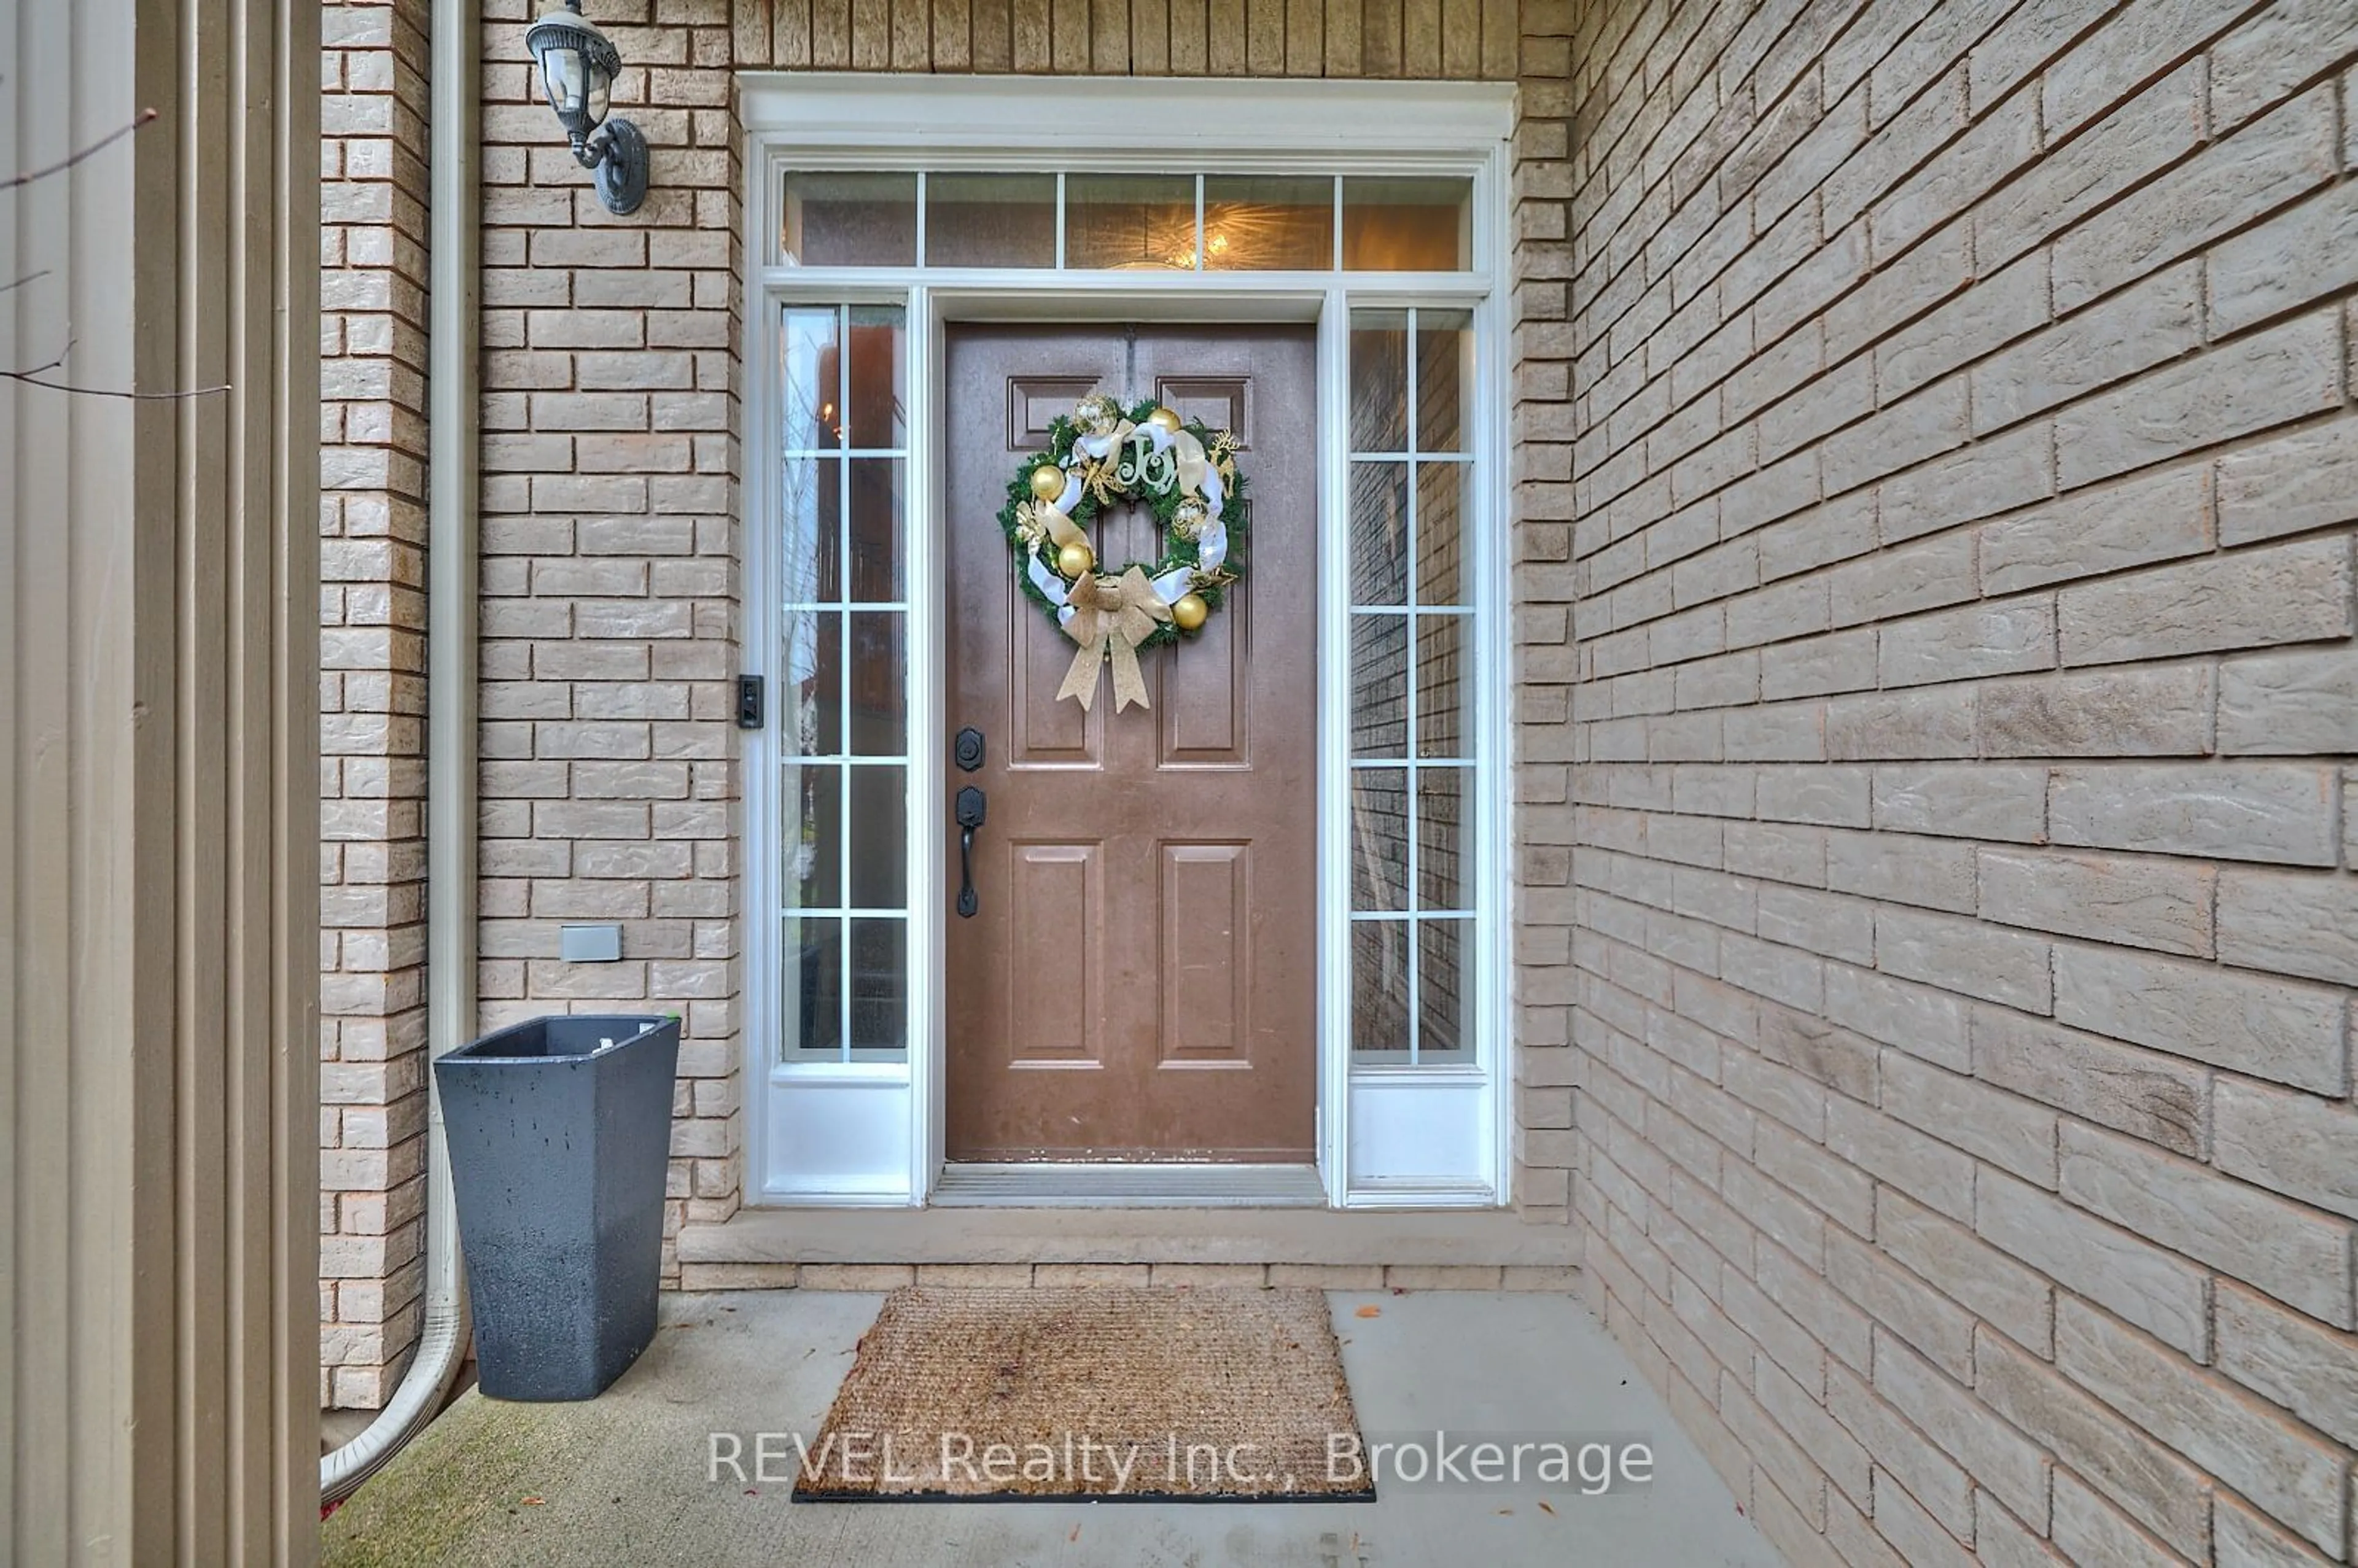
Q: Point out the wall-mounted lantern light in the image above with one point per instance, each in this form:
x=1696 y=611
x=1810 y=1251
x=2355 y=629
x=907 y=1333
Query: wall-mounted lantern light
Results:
x=577 y=67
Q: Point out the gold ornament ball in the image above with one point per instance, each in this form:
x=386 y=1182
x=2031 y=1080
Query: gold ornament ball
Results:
x=1165 y=418
x=1047 y=481
x=1075 y=560
x=1189 y=610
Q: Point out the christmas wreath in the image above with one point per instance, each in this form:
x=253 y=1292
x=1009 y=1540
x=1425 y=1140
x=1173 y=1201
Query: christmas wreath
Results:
x=1101 y=456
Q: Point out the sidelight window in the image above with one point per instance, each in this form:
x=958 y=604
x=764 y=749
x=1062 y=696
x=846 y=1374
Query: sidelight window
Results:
x=842 y=702
x=1413 y=738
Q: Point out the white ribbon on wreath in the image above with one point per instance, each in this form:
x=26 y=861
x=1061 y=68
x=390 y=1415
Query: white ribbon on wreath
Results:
x=1192 y=469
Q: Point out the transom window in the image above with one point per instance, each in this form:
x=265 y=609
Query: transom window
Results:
x=1127 y=222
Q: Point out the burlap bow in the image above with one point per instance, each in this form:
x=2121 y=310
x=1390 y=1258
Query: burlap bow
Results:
x=1112 y=616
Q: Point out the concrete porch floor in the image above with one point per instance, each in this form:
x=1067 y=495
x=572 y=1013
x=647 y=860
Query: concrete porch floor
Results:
x=622 y=1479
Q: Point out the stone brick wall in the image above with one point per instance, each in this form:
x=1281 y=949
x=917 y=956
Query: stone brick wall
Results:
x=1357 y=38
x=1960 y=795
x=610 y=451
x=609 y=612
x=372 y=691
x=610 y=454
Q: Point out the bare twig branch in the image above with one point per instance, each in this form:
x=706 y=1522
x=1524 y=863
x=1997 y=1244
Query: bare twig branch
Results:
x=71 y=158
x=58 y=364
x=31 y=376
x=30 y=379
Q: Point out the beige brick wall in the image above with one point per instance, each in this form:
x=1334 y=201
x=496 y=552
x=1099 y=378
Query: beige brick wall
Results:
x=1544 y=1064
x=1357 y=38
x=609 y=455
x=610 y=410
x=372 y=691
x=1960 y=796
x=610 y=587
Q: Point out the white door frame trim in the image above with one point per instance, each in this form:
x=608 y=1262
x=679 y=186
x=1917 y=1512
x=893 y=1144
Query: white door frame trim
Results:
x=837 y=122
x=1165 y=118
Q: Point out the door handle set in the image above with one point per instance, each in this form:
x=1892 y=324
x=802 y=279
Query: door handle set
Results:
x=967 y=753
x=970 y=807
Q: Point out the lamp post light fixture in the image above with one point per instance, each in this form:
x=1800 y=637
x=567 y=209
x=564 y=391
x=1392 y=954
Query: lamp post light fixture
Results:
x=577 y=67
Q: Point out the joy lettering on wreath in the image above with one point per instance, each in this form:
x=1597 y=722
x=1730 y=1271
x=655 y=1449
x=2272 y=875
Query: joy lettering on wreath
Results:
x=1100 y=455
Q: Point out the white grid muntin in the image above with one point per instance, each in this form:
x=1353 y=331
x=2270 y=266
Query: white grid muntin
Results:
x=1411 y=764
x=1340 y=206
x=795 y=612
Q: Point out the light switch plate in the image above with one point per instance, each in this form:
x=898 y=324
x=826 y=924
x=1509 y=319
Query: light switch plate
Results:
x=591 y=944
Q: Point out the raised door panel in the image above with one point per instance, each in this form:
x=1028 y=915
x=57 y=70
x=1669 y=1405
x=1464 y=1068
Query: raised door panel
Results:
x=1223 y=403
x=1042 y=731
x=1035 y=401
x=1203 y=695
x=1055 y=917
x=1206 y=974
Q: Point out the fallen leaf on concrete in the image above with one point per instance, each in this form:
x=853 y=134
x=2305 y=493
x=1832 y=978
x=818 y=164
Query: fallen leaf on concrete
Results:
x=534 y=1502
x=1369 y=1311
x=1546 y=1509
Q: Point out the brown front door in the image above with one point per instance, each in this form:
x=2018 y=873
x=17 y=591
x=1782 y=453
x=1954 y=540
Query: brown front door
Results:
x=1139 y=980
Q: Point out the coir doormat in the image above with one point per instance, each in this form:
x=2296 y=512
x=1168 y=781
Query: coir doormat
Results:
x=1095 y=1393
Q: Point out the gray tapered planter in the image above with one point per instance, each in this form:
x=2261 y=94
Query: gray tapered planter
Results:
x=559 y=1134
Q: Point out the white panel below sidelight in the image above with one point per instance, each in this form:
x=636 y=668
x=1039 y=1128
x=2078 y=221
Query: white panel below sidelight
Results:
x=839 y=1136
x=1422 y=1139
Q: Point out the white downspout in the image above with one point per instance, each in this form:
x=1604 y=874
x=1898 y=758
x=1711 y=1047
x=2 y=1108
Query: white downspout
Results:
x=453 y=332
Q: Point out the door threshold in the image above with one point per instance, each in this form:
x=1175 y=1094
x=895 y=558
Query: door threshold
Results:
x=1049 y=1185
